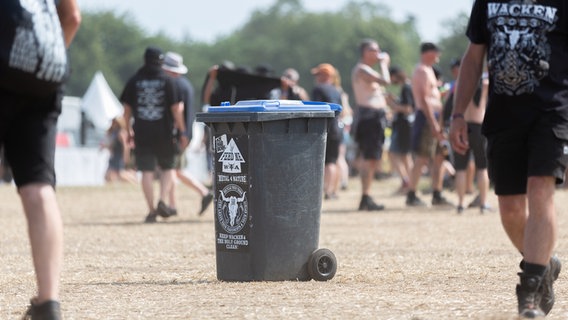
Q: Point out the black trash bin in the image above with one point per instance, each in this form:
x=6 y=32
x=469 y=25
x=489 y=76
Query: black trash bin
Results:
x=268 y=179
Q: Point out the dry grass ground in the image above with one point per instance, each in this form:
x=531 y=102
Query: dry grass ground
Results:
x=398 y=264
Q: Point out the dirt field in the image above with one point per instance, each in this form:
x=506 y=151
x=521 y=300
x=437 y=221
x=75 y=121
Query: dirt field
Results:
x=397 y=264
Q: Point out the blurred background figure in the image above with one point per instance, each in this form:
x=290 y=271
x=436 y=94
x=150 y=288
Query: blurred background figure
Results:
x=401 y=138
x=477 y=149
x=151 y=97
x=371 y=108
x=173 y=65
x=344 y=121
x=326 y=91
x=290 y=89
x=116 y=141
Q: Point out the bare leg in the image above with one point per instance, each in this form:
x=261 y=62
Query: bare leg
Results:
x=461 y=181
x=541 y=227
x=437 y=173
x=192 y=182
x=342 y=166
x=483 y=186
x=330 y=178
x=470 y=175
x=45 y=230
x=368 y=169
x=416 y=172
x=514 y=217
x=166 y=182
x=148 y=188
x=173 y=193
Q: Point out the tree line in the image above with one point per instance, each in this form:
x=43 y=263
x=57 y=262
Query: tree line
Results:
x=283 y=35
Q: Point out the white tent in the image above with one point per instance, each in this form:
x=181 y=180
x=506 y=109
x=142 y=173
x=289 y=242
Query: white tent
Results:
x=100 y=104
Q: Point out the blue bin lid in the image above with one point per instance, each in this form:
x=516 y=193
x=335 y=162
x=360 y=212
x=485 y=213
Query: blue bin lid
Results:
x=275 y=106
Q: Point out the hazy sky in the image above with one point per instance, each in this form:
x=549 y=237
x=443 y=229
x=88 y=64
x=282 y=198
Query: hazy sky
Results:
x=205 y=20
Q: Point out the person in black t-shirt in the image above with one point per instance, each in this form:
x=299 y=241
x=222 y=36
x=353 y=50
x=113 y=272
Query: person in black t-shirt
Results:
x=401 y=138
x=174 y=67
x=526 y=125
x=151 y=97
x=33 y=66
x=326 y=91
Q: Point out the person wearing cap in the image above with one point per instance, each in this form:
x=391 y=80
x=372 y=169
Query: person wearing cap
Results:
x=526 y=126
x=326 y=91
x=290 y=89
x=152 y=98
x=371 y=106
x=427 y=131
x=173 y=65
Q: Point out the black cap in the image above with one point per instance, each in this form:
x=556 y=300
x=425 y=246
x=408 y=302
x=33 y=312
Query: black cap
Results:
x=428 y=46
x=153 y=56
x=395 y=70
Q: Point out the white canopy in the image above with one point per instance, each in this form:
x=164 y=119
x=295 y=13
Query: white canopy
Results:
x=100 y=104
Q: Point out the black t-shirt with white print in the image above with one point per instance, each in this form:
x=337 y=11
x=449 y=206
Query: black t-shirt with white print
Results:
x=33 y=57
x=527 y=56
x=151 y=93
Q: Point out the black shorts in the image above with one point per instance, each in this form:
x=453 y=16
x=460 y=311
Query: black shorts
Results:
x=477 y=147
x=370 y=133
x=28 y=127
x=401 y=138
x=332 y=150
x=540 y=149
x=162 y=153
x=423 y=142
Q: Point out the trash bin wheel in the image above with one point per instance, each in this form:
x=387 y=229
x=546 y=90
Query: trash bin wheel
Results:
x=322 y=265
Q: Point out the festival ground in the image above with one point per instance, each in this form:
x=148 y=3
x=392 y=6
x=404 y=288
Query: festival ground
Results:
x=398 y=264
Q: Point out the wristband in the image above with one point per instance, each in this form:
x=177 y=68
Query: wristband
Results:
x=457 y=116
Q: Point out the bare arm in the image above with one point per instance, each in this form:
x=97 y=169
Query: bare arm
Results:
x=177 y=112
x=70 y=19
x=208 y=91
x=470 y=72
x=179 y=123
x=370 y=75
x=127 y=115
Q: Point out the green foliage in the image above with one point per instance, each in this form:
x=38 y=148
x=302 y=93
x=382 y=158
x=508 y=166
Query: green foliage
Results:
x=454 y=43
x=283 y=35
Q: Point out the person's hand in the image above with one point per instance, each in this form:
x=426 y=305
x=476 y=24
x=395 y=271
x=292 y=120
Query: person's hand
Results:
x=459 y=135
x=286 y=83
x=384 y=58
x=183 y=142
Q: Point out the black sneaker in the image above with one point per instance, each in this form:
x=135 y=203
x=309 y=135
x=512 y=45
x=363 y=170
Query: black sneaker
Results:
x=460 y=209
x=441 y=201
x=151 y=217
x=529 y=296
x=414 y=201
x=49 y=310
x=368 y=204
x=163 y=210
x=547 y=290
x=205 y=202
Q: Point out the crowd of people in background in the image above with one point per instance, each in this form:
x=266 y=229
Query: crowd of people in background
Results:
x=522 y=136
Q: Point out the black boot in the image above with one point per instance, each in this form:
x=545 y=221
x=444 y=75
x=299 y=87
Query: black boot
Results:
x=368 y=204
